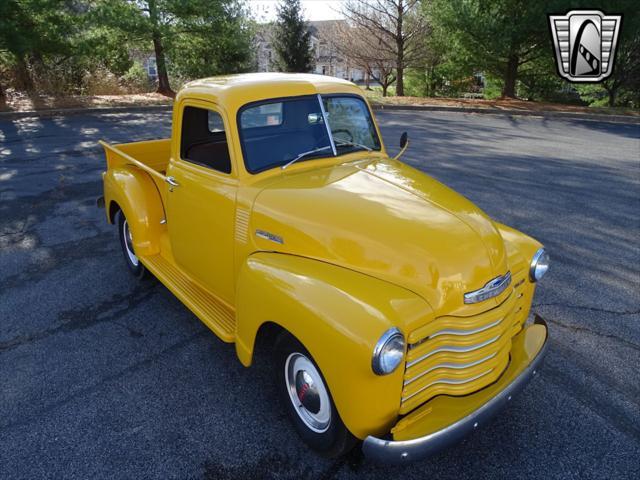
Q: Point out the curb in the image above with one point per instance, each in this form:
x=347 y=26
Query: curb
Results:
x=428 y=108
x=599 y=117
x=63 y=112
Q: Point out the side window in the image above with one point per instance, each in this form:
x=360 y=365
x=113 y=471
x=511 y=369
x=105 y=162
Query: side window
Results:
x=350 y=121
x=204 y=140
x=265 y=115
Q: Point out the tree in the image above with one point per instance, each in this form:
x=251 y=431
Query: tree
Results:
x=157 y=25
x=197 y=37
x=211 y=39
x=395 y=29
x=140 y=20
x=498 y=36
x=31 y=29
x=292 y=39
x=353 y=43
x=626 y=69
x=3 y=74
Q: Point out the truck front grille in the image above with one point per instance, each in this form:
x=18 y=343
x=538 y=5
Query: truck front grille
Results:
x=459 y=355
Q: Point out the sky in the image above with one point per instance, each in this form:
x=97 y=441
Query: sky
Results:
x=265 y=10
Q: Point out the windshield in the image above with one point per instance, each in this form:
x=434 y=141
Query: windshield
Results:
x=275 y=133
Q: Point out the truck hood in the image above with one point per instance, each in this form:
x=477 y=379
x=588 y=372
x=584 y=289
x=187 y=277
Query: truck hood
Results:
x=384 y=219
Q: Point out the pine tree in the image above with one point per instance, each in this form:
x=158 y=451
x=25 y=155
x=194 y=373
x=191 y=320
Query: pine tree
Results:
x=292 y=39
x=193 y=38
x=500 y=37
x=31 y=29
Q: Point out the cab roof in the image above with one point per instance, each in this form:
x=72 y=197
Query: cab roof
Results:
x=234 y=91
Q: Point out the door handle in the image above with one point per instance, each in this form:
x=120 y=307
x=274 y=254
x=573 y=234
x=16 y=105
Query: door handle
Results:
x=171 y=181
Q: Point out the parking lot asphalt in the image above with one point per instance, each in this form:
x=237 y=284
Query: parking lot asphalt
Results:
x=104 y=377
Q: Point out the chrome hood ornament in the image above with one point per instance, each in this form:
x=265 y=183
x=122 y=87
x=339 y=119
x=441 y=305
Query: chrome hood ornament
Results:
x=493 y=288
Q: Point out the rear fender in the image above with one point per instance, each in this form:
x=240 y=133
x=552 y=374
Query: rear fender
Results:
x=136 y=194
x=338 y=315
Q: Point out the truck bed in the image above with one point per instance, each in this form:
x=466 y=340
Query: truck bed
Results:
x=151 y=156
x=152 y=153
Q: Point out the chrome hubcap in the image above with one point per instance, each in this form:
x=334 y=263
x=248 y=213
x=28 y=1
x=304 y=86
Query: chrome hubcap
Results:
x=307 y=392
x=128 y=242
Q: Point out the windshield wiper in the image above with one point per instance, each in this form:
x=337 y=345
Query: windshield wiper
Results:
x=320 y=149
x=304 y=154
x=341 y=143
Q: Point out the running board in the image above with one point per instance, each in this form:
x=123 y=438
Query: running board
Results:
x=213 y=313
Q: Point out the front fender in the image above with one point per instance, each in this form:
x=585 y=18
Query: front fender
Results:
x=138 y=197
x=520 y=247
x=520 y=250
x=338 y=315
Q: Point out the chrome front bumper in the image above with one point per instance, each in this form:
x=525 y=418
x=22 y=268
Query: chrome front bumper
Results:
x=404 y=451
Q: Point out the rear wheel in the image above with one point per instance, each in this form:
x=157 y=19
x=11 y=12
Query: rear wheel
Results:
x=126 y=242
x=306 y=397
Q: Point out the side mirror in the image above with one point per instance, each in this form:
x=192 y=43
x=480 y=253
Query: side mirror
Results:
x=404 y=143
x=404 y=138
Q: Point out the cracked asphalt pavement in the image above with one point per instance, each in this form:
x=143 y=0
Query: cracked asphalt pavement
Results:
x=101 y=376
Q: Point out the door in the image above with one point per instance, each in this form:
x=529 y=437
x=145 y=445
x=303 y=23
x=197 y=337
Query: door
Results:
x=201 y=202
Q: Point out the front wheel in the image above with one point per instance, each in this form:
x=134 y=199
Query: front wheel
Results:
x=307 y=399
x=126 y=242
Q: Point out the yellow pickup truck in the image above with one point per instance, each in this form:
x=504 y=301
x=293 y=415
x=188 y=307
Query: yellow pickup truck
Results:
x=396 y=309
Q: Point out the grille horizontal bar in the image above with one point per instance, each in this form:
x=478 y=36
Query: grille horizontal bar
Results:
x=452 y=348
x=449 y=381
x=454 y=366
x=452 y=331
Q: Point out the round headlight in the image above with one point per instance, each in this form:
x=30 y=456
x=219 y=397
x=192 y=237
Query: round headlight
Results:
x=388 y=353
x=539 y=265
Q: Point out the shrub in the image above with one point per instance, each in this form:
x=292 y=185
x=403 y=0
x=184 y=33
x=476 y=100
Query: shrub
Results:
x=100 y=81
x=492 y=87
x=415 y=83
x=136 y=79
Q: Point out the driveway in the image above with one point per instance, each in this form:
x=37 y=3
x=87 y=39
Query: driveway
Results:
x=101 y=376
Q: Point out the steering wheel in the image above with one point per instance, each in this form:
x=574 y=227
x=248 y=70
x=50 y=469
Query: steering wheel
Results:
x=342 y=130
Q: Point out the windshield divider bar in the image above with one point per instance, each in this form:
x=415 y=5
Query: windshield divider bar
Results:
x=326 y=123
